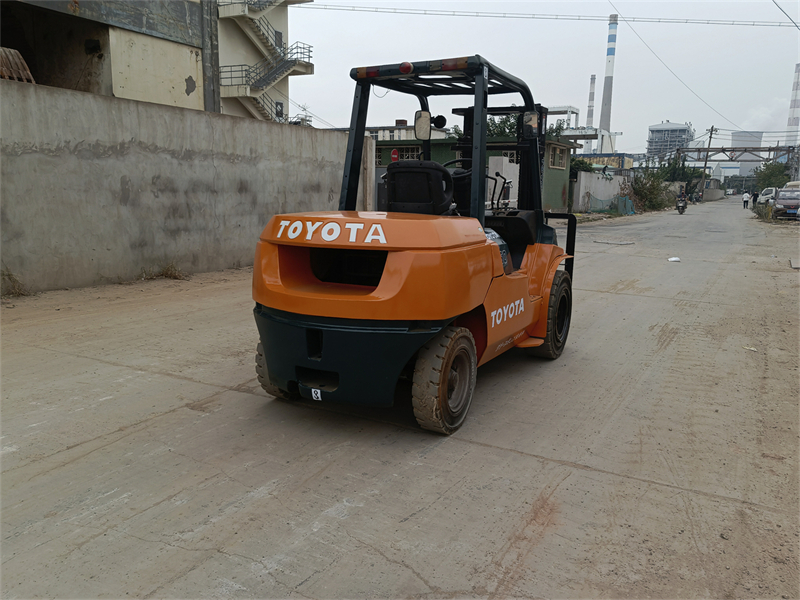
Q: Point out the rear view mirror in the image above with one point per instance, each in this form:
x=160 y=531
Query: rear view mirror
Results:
x=530 y=126
x=422 y=125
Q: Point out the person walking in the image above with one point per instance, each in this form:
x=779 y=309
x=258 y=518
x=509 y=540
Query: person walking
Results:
x=745 y=199
x=755 y=200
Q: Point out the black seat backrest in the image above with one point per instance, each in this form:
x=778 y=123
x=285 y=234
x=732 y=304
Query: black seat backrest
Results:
x=419 y=186
x=462 y=185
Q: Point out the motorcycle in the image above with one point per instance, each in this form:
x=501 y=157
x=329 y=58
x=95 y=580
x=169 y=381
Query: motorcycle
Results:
x=681 y=205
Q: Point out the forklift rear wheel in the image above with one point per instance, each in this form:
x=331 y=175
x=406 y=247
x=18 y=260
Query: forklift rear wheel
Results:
x=444 y=380
x=263 y=377
x=559 y=315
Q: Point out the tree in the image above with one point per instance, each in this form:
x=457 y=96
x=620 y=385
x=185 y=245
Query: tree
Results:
x=647 y=188
x=554 y=131
x=676 y=170
x=579 y=164
x=771 y=174
x=505 y=126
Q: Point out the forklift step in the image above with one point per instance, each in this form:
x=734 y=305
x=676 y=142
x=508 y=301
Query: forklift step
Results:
x=530 y=343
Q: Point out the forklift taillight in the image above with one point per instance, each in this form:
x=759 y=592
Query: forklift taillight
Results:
x=363 y=72
x=451 y=64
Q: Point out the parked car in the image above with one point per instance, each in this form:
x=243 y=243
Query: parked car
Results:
x=787 y=201
x=767 y=195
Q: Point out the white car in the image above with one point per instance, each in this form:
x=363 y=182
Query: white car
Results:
x=767 y=196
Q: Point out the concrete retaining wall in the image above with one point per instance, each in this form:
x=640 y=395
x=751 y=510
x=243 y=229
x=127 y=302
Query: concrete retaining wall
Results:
x=95 y=189
x=596 y=185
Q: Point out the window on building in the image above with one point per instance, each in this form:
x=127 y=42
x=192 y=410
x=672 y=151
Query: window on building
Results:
x=558 y=158
x=409 y=152
x=512 y=156
x=391 y=134
x=279 y=109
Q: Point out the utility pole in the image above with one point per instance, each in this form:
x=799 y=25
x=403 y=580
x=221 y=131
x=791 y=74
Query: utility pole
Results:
x=711 y=133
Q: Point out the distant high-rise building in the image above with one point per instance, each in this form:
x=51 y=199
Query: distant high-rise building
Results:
x=667 y=137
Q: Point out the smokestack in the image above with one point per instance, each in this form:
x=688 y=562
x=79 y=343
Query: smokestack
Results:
x=793 y=124
x=605 y=107
x=590 y=113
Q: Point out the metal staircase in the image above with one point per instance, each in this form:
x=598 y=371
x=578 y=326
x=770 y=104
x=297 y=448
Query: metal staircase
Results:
x=265 y=73
x=266 y=107
x=254 y=4
x=248 y=82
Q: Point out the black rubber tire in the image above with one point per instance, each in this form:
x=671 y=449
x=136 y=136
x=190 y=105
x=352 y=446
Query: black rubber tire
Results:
x=444 y=380
x=559 y=316
x=263 y=377
x=680 y=211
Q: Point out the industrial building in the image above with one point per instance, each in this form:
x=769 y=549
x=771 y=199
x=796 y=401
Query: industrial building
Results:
x=228 y=56
x=666 y=137
x=747 y=160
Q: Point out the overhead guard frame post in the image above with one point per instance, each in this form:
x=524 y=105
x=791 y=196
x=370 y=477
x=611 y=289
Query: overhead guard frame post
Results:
x=477 y=207
x=355 y=148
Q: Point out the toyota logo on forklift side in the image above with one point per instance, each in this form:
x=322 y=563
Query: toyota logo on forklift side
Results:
x=508 y=311
x=331 y=231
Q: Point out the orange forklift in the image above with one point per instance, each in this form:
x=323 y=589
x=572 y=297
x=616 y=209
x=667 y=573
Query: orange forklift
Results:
x=348 y=302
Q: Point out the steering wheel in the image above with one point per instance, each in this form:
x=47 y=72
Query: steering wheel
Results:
x=450 y=162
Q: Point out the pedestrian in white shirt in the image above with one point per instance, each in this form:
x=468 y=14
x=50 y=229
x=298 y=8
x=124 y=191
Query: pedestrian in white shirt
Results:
x=745 y=199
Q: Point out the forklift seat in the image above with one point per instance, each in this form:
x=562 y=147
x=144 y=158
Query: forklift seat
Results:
x=419 y=186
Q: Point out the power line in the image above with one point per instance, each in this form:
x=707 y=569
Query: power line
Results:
x=511 y=15
x=305 y=109
x=668 y=68
x=760 y=131
x=784 y=12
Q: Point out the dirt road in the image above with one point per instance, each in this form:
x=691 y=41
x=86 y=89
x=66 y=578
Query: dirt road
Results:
x=658 y=457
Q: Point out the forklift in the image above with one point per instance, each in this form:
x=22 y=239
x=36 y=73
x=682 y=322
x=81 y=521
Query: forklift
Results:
x=348 y=302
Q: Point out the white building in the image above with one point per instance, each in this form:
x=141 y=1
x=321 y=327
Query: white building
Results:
x=229 y=56
x=667 y=137
x=401 y=131
x=256 y=59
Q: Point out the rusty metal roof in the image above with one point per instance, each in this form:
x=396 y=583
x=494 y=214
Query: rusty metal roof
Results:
x=13 y=66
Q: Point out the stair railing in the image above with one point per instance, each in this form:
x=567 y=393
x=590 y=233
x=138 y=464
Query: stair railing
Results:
x=268 y=70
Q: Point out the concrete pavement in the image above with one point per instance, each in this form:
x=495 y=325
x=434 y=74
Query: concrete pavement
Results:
x=656 y=458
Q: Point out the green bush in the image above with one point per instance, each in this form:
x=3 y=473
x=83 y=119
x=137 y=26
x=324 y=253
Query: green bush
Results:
x=648 y=190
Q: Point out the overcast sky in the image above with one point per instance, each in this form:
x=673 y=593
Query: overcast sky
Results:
x=745 y=73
